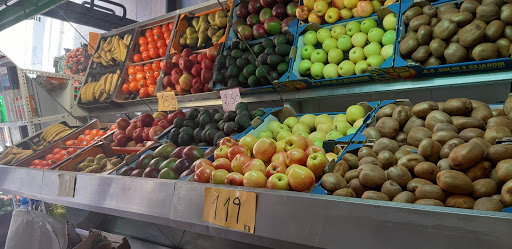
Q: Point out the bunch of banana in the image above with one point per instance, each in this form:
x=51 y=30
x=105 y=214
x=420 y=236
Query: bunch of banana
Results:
x=12 y=155
x=54 y=132
x=114 y=48
x=101 y=89
x=98 y=164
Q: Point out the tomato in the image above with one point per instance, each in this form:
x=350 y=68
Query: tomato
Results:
x=134 y=86
x=71 y=143
x=167 y=41
x=165 y=28
x=137 y=58
x=139 y=68
x=157 y=74
x=132 y=78
x=157 y=29
x=150 y=74
x=143 y=48
x=149 y=33
x=151 y=39
x=141 y=76
x=142 y=84
x=167 y=34
x=113 y=127
x=37 y=162
x=62 y=153
x=72 y=150
x=151 y=81
x=131 y=70
x=143 y=41
x=80 y=139
x=102 y=133
x=154 y=53
x=146 y=56
x=159 y=36
x=151 y=90
x=148 y=67
x=58 y=157
x=161 y=64
x=95 y=131
x=161 y=51
x=161 y=44
x=171 y=25
x=50 y=157
x=56 y=151
x=156 y=65
x=152 y=46
x=126 y=88
x=144 y=92
x=84 y=143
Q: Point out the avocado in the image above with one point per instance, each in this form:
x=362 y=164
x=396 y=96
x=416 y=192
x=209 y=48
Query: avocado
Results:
x=218 y=77
x=282 y=68
x=192 y=114
x=211 y=125
x=174 y=135
x=230 y=61
x=241 y=112
x=233 y=70
x=214 y=112
x=178 y=122
x=221 y=60
x=227 y=52
x=236 y=44
x=203 y=135
x=253 y=81
x=253 y=59
x=262 y=59
x=190 y=123
x=169 y=163
x=202 y=144
x=204 y=120
x=247 y=55
x=197 y=134
x=186 y=129
x=221 y=125
x=243 y=46
x=230 y=128
x=185 y=139
x=290 y=38
x=262 y=72
x=244 y=120
x=164 y=150
x=144 y=161
x=237 y=53
x=249 y=70
x=283 y=49
x=156 y=162
x=270 y=51
x=218 y=117
x=273 y=75
x=241 y=106
x=242 y=80
x=229 y=116
x=242 y=62
x=267 y=42
x=210 y=135
x=279 y=39
x=274 y=59
x=257 y=113
x=219 y=136
x=232 y=83
x=258 y=49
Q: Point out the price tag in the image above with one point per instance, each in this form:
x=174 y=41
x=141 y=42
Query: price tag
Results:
x=230 y=208
x=230 y=98
x=167 y=101
x=66 y=185
x=93 y=41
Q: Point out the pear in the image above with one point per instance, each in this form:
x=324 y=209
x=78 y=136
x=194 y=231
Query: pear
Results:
x=212 y=31
x=192 y=40
x=195 y=22
x=191 y=31
x=218 y=36
x=211 y=19
x=221 y=21
x=203 y=35
x=183 y=40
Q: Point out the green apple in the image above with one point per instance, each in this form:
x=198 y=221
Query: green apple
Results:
x=324 y=127
x=345 y=13
x=308 y=120
x=388 y=37
x=322 y=118
x=280 y=128
x=386 y=51
x=306 y=51
x=358 y=123
x=323 y=34
x=300 y=127
x=310 y=38
x=304 y=67
x=354 y=113
x=301 y=133
x=342 y=127
x=330 y=71
x=356 y=54
x=346 y=68
x=339 y=117
x=344 y=43
x=353 y=27
x=359 y=39
x=283 y=135
x=318 y=142
x=273 y=125
x=318 y=135
x=367 y=25
x=317 y=70
x=337 y=31
x=319 y=56
x=376 y=5
x=333 y=135
x=264 y=133
x=334 y=56
x=362 y=67
x=375 y=35
x=389 y=21
x=352 y=130
x=372 y=49
x=375 y=60
x=329 y=43
x=291 y=122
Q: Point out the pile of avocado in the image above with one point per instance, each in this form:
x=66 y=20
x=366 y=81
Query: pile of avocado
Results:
x=238 y=67
x=206 y=128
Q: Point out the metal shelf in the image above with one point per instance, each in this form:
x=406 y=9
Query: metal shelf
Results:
x=283 y=219
x=13 y=124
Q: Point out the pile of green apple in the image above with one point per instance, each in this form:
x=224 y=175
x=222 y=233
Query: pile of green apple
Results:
x=325 y=52
x=316 y=11
x=317 y=128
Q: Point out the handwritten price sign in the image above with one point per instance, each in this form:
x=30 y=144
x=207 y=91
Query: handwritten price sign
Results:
x=167 y=101
x=230 y=208
x=230 y=98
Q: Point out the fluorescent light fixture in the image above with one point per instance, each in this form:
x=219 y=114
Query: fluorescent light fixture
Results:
x=9 y=2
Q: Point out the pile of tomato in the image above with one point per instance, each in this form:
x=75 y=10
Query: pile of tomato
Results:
x=89 y=137
x=154 y=43
x=142 y=79
x=56 y=156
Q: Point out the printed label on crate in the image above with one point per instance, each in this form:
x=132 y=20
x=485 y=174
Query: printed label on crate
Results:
x=66 y=185
x=230 y=98
x=230 y=208
x=93 y=41
x=167 y=101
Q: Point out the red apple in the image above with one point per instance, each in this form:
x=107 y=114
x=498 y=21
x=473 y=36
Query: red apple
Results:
x=156 y=121
x=264 y=149
x=160 y=115
x=204 y=174
x=187 y=52
x=168 y=66
x=255 y=6
x=207 y=65
x=175 y=115
x=194 y=90
x=211 y=53
x=196 y=70
x=206 y=76
x=155 y=131
x=122 y=124
x=175 y=79
x=237 y=149
x=267 y=3
x=242 y=11
x=291 y=9
x=186 y=64
x=197 y=83
x=137 y=135
x=279 y=11
x=177 y=70
x=254 y=164
x=178 y=153
x=193 y=152
x=201 y=57
x=222 y=163
x=278 y=181
x=130 y=130
x=121 y=140
x=295 y=142
x=296 y=156
x=274 y=168
x=221 y=152
x=279 y=158
x=255 y=179
x=118 y=132
x=193 y=58
x=141 y=145
x=186 y=81
x=219 y=176
x=206 y=88
x=164 y=124
x=146 y=120
x=145 y=134
x=202 y=162
x=301 y=178
x=316 y=163
x=228 y=141
x=258 y=31
x=314 y=149
x=234 y=178
x=238 y=163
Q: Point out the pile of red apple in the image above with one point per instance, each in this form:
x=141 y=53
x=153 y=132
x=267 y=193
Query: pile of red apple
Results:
x=297 y=165
x=140 y=130
x=189 y=72
x=258 y=18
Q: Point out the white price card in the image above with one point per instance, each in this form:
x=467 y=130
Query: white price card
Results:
x=230 y=98
x=66 y=185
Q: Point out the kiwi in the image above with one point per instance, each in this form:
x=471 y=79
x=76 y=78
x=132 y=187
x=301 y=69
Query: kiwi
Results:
x=427 y=171
x=429 y=202
x=371 y=175
x=370 y=160
x=413 y=122
x=485 y=51
x=421 y=54
x=351 y=174
x=460 y=201
x=466 y=155
x=445 y=127
x=471 y=35
x=498 y=112
x=503 y=45
x=445 y=29
x=371 y=133
x=417 y=134
x=508 y=106
x=470 y=133
x=401 y=114
x=365 y=152
x=463 y=123
x=419 y=21
x=477 y=104
x=445 y=7
x=506 y=194
x=346 y=192
x=444 y=164
x=444 y=136
x=436 y=117
x=488 y=204
x=400 y=175
x=411 y=14
x=499 y=121
x=494 y=30
x=504 y=170
x=470 y=7
x=447 y=14
x=385 y=111
x=483 y=113
x=499 y=152
x=507 y=32
x=385 y=144
x=401 y=138
x=429 y=10
x=357 y=187
x=332 y=182
x=487 y=12
x=341 y=168
x=498 y=3
x=494 y=176
x=390 y=189
x=410 y=161
x=462 y=19
x=401 y=153
x=496 y=133
x=405 y=197
x=408 y=45
x=434 y=21
x=455 y=53
x=430 y=192
x=388 y=127
x=454 y=182
x=482 y=142
x=449 y=146
x=413 y=184
x=484 y=188
x=422 y=109
x=506 y=13
x=374 y=195
x=429 y=149
x=479 y=171
x=351 y=159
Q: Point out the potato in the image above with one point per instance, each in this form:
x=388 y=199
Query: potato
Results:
x=455 y=182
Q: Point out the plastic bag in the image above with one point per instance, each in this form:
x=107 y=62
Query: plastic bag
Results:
x=36 y=230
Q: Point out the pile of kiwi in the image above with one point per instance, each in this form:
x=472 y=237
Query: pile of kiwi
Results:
x=473 y=30
x=442 y=154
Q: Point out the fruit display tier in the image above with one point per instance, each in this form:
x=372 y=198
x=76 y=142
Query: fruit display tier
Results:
x=180 y=204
